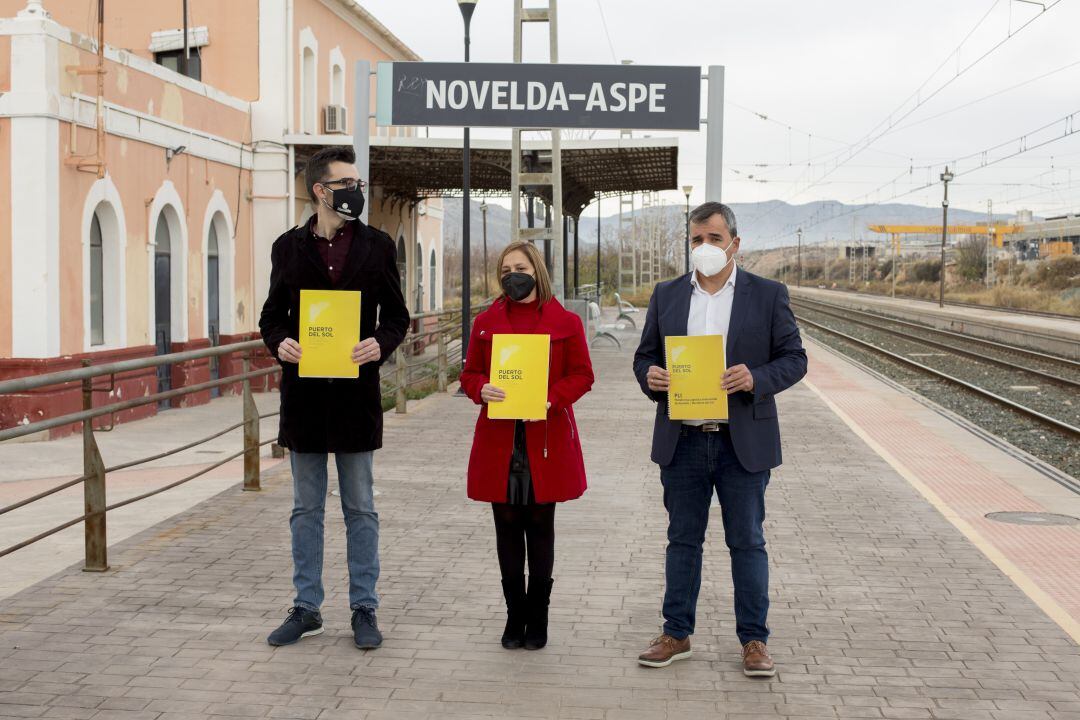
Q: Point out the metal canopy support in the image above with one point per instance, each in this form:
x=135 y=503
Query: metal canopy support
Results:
x=714 y=134
x=627 y=233
x=646 y=275
x=551 y=234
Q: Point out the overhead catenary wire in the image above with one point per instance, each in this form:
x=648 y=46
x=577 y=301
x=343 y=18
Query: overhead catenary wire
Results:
x=607 y=34
x=889 y=122
x=1071 y=127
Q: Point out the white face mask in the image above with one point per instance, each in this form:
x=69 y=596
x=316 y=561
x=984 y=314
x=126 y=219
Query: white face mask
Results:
x=710 y=259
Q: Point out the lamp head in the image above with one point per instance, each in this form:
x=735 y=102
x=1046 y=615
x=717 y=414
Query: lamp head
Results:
x=687 y=189
x=946 y=176
x=466 y=7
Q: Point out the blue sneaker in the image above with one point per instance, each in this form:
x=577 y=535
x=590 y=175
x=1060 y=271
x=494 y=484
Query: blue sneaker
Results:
x=366 y=633
x=301 y=623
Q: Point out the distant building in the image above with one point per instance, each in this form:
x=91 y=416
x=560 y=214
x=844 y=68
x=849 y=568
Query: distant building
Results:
x=1053 y=237
x=201 y=169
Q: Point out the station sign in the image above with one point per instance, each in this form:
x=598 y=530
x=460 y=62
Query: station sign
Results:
x=533 y=95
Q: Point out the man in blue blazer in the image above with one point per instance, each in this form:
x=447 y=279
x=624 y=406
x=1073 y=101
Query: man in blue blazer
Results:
x=733 y=456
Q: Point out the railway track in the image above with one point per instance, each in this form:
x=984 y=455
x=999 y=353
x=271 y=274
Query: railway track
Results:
x=957 y=303
x=974 y=381
x=1063 y=371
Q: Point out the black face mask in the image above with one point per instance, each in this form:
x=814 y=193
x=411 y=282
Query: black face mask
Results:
x=347 y=203
x=517 y=285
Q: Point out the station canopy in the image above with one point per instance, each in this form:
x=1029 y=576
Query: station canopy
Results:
x=409 y=168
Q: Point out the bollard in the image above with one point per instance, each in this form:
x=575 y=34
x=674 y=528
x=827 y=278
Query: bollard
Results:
x=251 y=433
x=97 y=559
x=442 y=357
x=400 y=375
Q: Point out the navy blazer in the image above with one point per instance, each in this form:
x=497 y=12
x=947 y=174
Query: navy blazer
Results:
x=762 y=335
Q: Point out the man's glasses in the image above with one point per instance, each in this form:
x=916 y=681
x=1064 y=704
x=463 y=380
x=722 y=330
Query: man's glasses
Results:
x=349 y=184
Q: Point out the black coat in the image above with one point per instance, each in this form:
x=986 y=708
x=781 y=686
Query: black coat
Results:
x=334 y=414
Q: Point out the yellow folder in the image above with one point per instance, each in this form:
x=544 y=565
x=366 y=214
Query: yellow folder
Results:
x=519 y=366
x=329 y=329
x=696 y=364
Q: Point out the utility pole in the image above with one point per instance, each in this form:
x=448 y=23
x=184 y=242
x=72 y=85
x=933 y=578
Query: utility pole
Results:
x=895 y=260
x=687 y=189
x=798 y=278
x=989 y=243
x=598 y=249
x=946 y=178
x=577 y=256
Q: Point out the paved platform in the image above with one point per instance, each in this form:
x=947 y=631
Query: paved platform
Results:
x=1060 y=336
x=890 y=599
x=28 y=468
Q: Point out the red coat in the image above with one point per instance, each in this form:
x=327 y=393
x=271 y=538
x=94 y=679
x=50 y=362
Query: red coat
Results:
x=554 y=444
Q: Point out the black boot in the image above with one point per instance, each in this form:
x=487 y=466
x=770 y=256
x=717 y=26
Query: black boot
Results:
x=537 y=603
x=513 y=636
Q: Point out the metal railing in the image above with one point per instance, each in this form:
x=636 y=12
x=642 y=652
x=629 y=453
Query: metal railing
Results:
x=409 y=370
x=418 y=369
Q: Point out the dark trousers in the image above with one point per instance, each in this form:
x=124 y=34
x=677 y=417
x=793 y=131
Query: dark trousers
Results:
x=704 y=462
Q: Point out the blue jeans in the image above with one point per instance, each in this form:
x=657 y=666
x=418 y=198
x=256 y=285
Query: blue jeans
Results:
x=702 y=462
x=361 y=526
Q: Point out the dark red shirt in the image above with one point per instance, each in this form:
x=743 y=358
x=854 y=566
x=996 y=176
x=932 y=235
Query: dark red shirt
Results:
x=334 y=250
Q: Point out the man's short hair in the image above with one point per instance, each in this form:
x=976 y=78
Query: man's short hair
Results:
x=318 y=165
x=706 y=210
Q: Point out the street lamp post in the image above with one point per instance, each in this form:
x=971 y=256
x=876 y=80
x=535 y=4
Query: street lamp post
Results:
x=483 y=217
x=467 y=7
x=687 y=189
x=798 y=267
x=946 y=178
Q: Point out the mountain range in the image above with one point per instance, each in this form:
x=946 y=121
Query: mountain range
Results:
x=761 y=225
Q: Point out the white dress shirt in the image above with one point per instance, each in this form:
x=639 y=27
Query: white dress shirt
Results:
x=710 y=314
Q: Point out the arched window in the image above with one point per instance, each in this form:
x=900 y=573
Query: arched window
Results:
x=419 y=277
x=103 y=279
x=218 y=273
x=97 y=283
x=433 y=284
x=402 y=265
x=163 y=305
x=308 y=93
x=213 y=286
x=337 y=85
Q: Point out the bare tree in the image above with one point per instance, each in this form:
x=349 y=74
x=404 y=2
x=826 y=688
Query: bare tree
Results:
x=971 y=258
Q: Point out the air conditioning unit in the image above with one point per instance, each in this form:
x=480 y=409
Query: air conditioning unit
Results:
x=334 y=119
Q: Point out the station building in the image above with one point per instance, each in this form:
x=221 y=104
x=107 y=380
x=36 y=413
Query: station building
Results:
x=150 y=232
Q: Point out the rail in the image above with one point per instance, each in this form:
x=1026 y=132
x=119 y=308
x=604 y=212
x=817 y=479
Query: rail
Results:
x=1068 y=430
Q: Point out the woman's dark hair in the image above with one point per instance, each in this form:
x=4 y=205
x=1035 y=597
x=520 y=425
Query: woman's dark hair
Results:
x=317 y=165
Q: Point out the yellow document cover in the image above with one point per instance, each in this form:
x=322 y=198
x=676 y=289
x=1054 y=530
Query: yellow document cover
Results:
x=697 y=365
x=519 y=366
x=329 y=328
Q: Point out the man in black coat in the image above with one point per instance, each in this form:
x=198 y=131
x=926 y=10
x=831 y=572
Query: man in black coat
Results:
x=334 y=251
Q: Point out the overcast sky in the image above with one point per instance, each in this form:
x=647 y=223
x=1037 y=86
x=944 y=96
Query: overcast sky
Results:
x=833 y=71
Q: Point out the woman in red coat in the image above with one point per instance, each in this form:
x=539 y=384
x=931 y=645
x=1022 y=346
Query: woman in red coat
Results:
x=521 y=467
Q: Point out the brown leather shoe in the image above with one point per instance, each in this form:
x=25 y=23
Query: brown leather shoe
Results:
x=665 y=650
x=756 y=661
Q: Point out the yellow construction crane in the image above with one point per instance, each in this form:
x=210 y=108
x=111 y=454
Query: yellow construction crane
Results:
x=895 y=231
